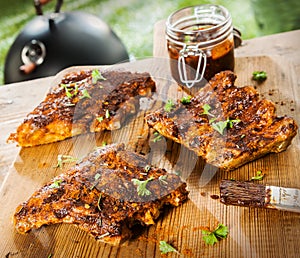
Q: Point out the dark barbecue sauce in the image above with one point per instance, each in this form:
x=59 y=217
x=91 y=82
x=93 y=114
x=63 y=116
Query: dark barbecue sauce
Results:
x=219 y=57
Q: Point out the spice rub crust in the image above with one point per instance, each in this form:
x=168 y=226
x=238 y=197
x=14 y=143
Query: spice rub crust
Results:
x=100 y=196
x=84 y=101
x=238 y=128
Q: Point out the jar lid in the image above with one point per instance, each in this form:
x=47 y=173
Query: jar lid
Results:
x=200 y=23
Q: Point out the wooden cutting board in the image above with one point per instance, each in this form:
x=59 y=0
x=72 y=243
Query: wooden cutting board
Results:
x=252 y=232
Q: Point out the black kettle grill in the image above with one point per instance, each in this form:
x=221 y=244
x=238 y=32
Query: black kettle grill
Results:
x=50 y=43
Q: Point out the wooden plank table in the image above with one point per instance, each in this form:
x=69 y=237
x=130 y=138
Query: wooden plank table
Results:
x=253 y=232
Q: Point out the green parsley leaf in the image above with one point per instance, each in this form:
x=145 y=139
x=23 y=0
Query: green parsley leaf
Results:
x=97 y=76
x=141 y=186
x=186 y=99
x=259 y=76
x=164 y=248
x=70 y=91
x=221 y=125
x=56 y=184
x=206 y=109
x=221 y=231
x=231 y=122
x=211 y=237
x=157 y=137
x=85 y=94
x=62 y=159
x=259 y=176
x=169 y=106
x=162 y=179
x=100 y=119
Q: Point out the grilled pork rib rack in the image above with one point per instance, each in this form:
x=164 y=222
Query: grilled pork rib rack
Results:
x=226 y=125
x=84 y=101
x=101 y=196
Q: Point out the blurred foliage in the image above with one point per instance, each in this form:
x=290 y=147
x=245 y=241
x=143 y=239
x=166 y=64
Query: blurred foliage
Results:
x=133 y=20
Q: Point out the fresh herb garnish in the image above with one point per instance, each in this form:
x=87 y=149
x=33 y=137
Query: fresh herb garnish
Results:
x=169 y=105
x=231 y=122
x=100 y=119
x=141 y=186
x=62 y=159
x=259 y=176
x=221 y=125
x=70 y=91
x=97 y=76
x=85 y=94
x=164 y=248
x=186 y=100
x=206 y=109
x=157 y=137
x=259 y=76
x=163 y=179
x=56 y=184
x=211 y=237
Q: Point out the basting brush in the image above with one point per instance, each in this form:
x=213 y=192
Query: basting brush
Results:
x=249 y=194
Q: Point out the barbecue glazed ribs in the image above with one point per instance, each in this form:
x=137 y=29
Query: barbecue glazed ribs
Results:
x=85 y=101
x=226 y=125
x=101 y=195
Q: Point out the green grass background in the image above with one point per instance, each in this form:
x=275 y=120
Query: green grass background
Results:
x=133 y=20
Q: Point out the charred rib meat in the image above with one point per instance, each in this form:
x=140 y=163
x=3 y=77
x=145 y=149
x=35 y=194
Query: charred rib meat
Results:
x=85 y=101
x=226 y=125
x=105 y=194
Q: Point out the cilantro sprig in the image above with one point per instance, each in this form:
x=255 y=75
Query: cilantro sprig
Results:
x=85 y=94
x=259 y=76
x=164 y=248
x=206 y=109
x=212 y=237
x=56 y=184
x=62 y=159
x=97 y=76
x=169 y=106
x=157 y=137
x=220 y=126
x=142 y=186
x=71 y=91
x=186 y=100
x=259 y=175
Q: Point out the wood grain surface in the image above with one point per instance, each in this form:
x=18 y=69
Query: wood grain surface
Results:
x=252 y=232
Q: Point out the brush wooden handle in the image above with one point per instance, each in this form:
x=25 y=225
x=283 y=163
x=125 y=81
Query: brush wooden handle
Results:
x=249 y=194
x=242 y=193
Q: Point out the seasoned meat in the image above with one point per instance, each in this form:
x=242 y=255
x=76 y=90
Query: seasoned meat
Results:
x=101 y=195
x=226 y=125
x=85 y=101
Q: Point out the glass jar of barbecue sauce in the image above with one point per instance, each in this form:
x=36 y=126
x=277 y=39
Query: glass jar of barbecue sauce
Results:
x=200 y=43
